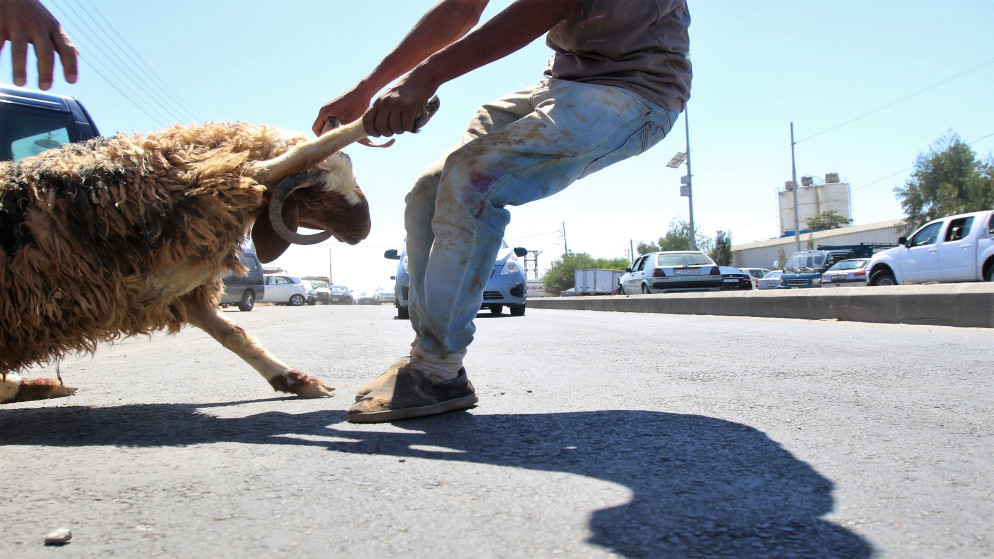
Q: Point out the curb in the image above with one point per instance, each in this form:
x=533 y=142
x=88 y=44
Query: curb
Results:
x=968 y=305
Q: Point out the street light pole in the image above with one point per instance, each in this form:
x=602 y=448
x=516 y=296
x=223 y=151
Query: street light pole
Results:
x=690 y=189
x=793 y=179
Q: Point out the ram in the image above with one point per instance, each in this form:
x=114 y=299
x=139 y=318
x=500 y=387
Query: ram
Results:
x=130 y=235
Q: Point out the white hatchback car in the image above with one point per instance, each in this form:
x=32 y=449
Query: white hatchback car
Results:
x=672 y=271
x=285 y=290
x=756 y=274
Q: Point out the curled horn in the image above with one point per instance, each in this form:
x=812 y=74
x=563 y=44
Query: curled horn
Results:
x=306 y=155
x=283 y=190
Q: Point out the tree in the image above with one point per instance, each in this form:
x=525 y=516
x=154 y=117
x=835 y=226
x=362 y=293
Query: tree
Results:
x=722 y=251
x=827 y=220
x=948 y=180
x=562 y=273
x=677 y=238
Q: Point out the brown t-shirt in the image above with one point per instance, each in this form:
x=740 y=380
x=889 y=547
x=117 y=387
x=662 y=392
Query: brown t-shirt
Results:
x=639 y=45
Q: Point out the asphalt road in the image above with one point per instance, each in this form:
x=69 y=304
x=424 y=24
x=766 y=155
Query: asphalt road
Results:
x=598 y=434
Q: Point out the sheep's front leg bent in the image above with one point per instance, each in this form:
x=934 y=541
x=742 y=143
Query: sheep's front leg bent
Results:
x=281 y=376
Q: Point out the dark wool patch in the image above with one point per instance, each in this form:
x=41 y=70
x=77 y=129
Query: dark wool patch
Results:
x=13 y=206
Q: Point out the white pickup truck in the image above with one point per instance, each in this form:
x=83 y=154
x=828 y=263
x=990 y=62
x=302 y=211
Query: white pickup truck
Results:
x=951 y=249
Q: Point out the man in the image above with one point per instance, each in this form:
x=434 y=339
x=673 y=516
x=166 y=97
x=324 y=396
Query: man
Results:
x=614 y=87
x=27 y=21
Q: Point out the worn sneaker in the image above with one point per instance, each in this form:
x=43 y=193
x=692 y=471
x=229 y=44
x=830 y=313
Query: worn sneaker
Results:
x=410 y=395
x=387 y=377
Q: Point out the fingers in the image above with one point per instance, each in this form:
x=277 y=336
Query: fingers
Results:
x=67 y=55
x=19 y=58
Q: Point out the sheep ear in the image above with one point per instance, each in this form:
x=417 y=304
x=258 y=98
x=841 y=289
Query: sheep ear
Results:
x=268 y=245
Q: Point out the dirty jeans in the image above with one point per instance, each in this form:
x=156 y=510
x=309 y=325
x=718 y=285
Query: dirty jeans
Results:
x=528 y=145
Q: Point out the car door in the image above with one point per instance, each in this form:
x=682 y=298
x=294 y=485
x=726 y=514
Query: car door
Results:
x=920 y=260
x=956 y=251
x=634 y=284
x=277 y=289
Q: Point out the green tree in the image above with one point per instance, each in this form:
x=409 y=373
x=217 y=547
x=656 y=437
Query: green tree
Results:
x=722 y=251
x=827 y=220
x=948 y=180
x=677 y=238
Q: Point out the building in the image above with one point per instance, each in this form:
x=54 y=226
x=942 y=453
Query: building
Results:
x=772 y=254
x=812 y=201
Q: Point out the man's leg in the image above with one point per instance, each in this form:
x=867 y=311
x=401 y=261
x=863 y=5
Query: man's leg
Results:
x=570 y=131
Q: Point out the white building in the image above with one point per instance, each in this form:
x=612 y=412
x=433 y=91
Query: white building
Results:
x=763 y=254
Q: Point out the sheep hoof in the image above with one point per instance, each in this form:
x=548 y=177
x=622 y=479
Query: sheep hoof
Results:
x=305 y=386
x=17 y=389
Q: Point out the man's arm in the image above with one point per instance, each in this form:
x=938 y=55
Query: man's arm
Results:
x=510 y=30
x=444 y=23
x=27 y=21
x=438 y=50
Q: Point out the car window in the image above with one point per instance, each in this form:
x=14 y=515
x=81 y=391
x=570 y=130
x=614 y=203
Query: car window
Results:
x=640 y=264
x=691 y=259
x=990 y=225
x=959 y=228
x=927 y=235
x=28 y=133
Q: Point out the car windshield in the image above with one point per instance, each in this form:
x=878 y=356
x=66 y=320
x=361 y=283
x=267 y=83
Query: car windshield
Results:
x=849 y=265
x=687 y=259
x=318 y=284
x=801 y=263
x=339 y=289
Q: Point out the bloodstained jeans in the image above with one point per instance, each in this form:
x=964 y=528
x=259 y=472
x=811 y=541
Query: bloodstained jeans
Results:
x=528 y=145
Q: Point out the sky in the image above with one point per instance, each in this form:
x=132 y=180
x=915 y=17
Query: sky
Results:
x=868 y=86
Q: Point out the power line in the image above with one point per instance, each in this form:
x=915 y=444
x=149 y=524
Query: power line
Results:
x=943 y=81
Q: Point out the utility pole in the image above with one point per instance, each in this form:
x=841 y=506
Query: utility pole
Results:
x=793 y=180
x=531 y=263
x=690 y=188
x=565 y=248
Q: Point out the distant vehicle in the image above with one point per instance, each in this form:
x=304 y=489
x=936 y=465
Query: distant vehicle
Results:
x=571 y=292
x=506 y=286
x=384 y=295
x=321 y=286
x=950 y=249
x=245 y=290
x=757 y=274
x=671 y=271
x=734 y=279
x=596 y=282
x=285 y=290
x=312 y=298
x=769 y=281
x=341 y=295
x=366 y=298
x=846 y=273
x=805 y=268
x=34 y=122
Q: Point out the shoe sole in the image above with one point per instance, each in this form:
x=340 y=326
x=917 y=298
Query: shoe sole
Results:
x=411 y=413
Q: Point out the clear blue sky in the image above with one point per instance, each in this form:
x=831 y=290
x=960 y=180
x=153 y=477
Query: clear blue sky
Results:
x=869 y=86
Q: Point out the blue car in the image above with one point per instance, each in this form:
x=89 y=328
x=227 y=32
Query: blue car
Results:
x=506 y=286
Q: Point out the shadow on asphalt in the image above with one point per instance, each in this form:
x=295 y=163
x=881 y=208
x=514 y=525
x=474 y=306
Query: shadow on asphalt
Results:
x=701 y=486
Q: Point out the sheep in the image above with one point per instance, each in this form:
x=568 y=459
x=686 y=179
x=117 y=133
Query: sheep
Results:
x=130 y=235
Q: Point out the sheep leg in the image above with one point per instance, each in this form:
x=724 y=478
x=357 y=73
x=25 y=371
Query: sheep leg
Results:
x=280 y=376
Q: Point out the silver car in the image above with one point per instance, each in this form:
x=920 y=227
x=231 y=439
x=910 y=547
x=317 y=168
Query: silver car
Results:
x=671 y=271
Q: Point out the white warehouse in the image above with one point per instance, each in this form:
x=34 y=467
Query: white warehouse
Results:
x=764 y=254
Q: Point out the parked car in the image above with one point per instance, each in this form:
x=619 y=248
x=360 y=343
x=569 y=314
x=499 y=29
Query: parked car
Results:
x=734 y=279
x=846 y=273
x=671 y=271
x=366 y=298
x=341 y=295
x=285 y=290
x=312 y=297
x=384 y=295
x=34 y=122
x=770 y=280
x=571 y=292
x=322 y=289
x=244 y=290
x=757 y=274
x=949 y=249
x=506 y=286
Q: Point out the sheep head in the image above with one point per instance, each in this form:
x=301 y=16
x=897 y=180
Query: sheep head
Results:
x=325 y=198
x=313 y=186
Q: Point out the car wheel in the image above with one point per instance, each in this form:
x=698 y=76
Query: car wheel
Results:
x=621 y=291
x=517 y=310
x=402 y=313
x=496 y=309
x=248 y=301
x=883 y=278
x=989 y=274
x=297 y=300
x=646 y=290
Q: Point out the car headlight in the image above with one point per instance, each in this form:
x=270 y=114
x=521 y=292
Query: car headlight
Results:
x=816 y=281
x=403 y=262
x=511 y=266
